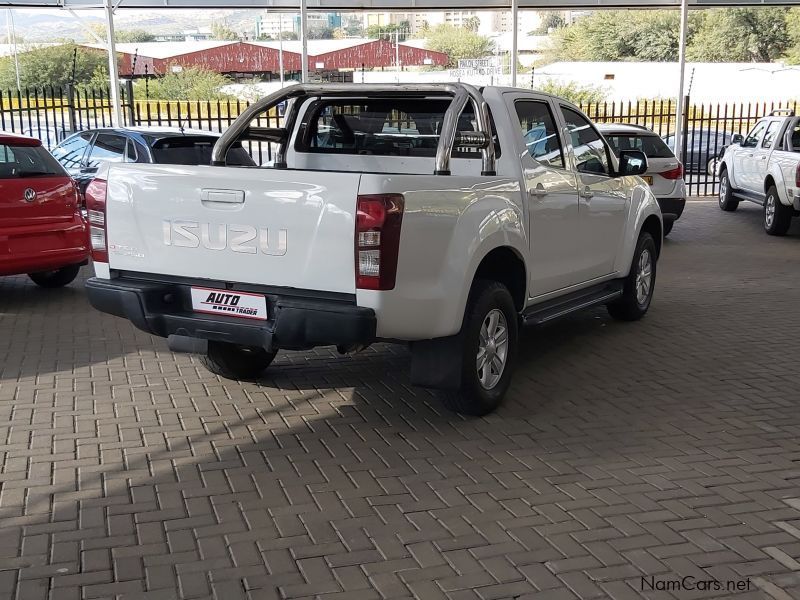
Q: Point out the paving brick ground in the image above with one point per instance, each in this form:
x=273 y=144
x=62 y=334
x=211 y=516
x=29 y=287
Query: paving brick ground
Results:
x=661 y=449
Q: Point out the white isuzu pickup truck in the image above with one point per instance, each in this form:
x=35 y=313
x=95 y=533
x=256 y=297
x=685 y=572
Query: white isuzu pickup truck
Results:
x=437 y=215
x=764 y=167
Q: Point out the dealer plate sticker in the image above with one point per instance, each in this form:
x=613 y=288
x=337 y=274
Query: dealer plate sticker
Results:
x=229 y=303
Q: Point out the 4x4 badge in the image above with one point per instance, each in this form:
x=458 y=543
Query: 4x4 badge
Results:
x=30 y=195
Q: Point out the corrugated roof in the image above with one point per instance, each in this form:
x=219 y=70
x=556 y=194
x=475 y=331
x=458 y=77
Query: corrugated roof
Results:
x=165 y=49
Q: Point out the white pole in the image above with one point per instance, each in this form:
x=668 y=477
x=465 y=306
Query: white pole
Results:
x=514 y=34
x=113 y=73
x=304 y=38
x=397 y=54
x=12 y=39
x=280 y=46
x=682 y=72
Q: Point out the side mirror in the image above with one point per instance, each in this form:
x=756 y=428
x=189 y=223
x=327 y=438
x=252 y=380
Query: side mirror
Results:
x=737 y=138
x=632 y=162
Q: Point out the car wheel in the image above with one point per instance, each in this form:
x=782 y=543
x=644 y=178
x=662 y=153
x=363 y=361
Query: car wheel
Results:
x=726 y=200
x=637 y=292
x=489 y=344
x=711 y=166
x=56 y=278
x=668 y=227
x=777 y=217
x=233 y=361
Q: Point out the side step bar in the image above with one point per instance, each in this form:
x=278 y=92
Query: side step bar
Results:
x=749 y=196
x=559 y=307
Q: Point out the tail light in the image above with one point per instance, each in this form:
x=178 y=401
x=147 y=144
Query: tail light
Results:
x=96 y=205
x=675 y=173
x=797 y=176
x=378 y=220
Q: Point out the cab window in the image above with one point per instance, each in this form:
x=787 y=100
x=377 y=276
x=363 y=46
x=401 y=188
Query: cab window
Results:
x=754 y=137
x=591 y=155
x=539 y=132
x=108 y=147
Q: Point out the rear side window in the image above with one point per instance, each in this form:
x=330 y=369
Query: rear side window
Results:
x=652 y=145
x=28 y=161
x=539 y=132
x=70 y=152
x=381 y=127
x=770 y=134
x=196 y=150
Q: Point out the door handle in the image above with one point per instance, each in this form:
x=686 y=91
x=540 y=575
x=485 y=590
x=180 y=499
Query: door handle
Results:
x=224 y=196
x=587 y=193
x=538 y=191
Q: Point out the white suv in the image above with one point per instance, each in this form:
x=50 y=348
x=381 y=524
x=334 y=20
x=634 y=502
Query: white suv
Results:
x=664 y=171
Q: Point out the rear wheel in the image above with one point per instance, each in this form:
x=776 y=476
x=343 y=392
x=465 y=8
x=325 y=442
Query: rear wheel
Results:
x=711 y=166
x=233 y=361
x=726 y=200
x=489 y=345
x=637 y=292
x=777 y=216
x=55 y=278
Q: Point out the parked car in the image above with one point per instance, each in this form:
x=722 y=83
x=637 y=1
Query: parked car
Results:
x=664 y=172
x=42 y=232
x=764 y=167
x=82 y=153
x=704 y=147
x=357 y=236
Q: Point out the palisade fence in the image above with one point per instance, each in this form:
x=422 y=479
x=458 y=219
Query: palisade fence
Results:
x=53 y=113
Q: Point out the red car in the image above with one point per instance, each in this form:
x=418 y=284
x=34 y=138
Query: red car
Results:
x=42 y=231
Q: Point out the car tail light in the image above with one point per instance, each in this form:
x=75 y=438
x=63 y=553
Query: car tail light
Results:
x=378 y=220
x=797 y=176
x=96 y=205
x=675 y=173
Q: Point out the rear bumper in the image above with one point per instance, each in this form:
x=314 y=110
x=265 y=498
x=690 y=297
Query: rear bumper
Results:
x=796 y=200
x=43 y=247
x=672 y=208
x=295 y=323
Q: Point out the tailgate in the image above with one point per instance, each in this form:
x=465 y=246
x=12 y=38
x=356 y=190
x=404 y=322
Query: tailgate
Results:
x=259 y=226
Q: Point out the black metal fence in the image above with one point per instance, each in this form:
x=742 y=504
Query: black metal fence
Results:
x=53 y=113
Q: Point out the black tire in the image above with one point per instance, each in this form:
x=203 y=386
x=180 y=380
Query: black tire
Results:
x=56 y=278
x=726 y=200
x=629 y=307
x=777 y=216
x=473 y=397
x=232 y=361
x=668 y=227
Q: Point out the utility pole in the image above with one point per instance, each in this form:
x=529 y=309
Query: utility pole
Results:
x=678 y=149
x=280 y=46
x=113 y=72
x=304 y=37
x=12 y=39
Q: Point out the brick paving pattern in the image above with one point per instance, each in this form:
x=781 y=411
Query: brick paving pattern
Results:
x=665 y=448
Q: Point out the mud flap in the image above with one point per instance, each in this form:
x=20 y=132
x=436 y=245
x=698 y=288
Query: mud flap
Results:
x=437 y=363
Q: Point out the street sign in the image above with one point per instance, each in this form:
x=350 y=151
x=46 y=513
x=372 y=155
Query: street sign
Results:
x=477 y=67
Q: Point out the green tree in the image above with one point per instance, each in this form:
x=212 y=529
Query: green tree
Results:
x=52 y=66
x=190 y=83
x=472 y=23
x=221 y=31
x=573 y=91
x=388 y=31
x=550 y=22
x=134 y=35
x=793 y=29
x=458 y=43
x=741 y=35
x=325 y=33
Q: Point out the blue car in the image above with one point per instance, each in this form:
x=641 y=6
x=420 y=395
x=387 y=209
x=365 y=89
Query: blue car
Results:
x=82 y=154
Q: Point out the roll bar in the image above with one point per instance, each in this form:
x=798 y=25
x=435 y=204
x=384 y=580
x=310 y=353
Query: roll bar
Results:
x=448 y=138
